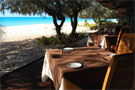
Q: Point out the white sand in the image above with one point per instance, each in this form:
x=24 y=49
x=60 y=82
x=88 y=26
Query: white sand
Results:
x=19 y=33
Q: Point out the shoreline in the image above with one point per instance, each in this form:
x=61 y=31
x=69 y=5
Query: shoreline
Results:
x=24 y=32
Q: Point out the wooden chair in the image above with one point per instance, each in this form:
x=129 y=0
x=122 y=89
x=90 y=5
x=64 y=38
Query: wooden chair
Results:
x=120 y=73
x=124 y=29
x=126 y=44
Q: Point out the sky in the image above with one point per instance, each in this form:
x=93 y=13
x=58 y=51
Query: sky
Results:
x=8 y=14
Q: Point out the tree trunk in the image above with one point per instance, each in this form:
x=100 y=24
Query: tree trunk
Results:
x=55 y=14
x=100 y=21
x=74 y=23
x=58 y=26
x=95 y=20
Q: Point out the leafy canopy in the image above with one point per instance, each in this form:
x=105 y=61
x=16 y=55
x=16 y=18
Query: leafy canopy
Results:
x=40 y=7
x=98 y=12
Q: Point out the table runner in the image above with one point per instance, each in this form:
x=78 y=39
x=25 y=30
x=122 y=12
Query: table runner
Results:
x=91 y=57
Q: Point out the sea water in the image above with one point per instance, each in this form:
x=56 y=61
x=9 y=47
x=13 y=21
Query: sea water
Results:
x=16 y=21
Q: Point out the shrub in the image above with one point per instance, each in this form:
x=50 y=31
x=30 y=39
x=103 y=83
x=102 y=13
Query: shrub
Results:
x=94 y=27
x=81 y=35
x=85 y=23
x=66 y=39
x=54 y=41
x=108 y=23
x=43 y=40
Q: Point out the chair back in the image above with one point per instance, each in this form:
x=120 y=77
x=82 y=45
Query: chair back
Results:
x=126 y=44
x=124 y=29
x=120 y=73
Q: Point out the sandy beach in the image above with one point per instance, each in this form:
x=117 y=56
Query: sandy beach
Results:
x=19 y=33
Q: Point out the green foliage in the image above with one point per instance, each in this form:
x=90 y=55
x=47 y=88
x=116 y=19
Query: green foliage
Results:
x=85 y=23
x=66 y=39
x=81 y=35
x=95 y=27
x=98 y=12
x=54 y=41
x=108 y=22
x=91 y=25
x=43 y=40
x=58 y=9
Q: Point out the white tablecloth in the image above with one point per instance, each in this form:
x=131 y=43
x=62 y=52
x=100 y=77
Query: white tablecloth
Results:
x=89 y=40
x=103 y=43
x=46 y=70
x=47 y=73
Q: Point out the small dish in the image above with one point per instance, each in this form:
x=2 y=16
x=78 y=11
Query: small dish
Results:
x=74 y=65
x=68 y=49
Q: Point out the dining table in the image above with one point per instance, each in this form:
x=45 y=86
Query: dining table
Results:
x=94 y=62
x=102 y=40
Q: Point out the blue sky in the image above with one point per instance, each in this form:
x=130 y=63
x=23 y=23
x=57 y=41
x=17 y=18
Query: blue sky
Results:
x=8 y=14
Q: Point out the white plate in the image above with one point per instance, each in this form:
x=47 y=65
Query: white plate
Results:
x=111 y=55
x=74 y=65
x=68 y=49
